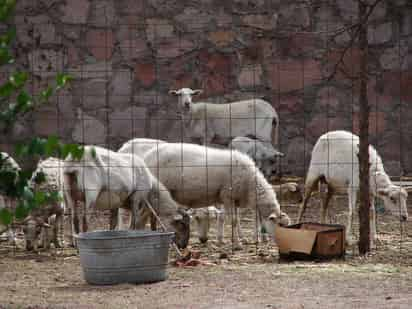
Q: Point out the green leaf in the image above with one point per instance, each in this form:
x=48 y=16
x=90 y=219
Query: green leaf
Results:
x=18 y=79
x=39 y=178
x=21 y=150
x=21 y=211
x=37 y=146
x=40 y=197
x=6 y=9
x=52 y=145
x=46 y=93
x=5 y=56
x=62 y=80
x=6 y=217
x=24 y=102
x=6 y=90
x=8 y=37
x=78 y=152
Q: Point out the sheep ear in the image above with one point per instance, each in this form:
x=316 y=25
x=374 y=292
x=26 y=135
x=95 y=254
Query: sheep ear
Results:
x=292 y=187
x=273 y=217
x=279 y=154
x=197 y=91
x=173 y=92
x=383 y=192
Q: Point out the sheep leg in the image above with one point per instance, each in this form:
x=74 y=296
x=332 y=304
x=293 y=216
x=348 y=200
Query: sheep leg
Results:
x=310 y=187
x=220 y=227
x=325 y=204
x=114 y=219
x=233 y=219
x=56 y=229
x=239 y=229
x=351 y=204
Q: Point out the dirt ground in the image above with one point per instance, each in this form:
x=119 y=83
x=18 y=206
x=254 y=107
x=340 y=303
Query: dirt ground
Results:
x=251 y=278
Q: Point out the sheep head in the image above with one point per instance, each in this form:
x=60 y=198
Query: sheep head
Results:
x=184 y=96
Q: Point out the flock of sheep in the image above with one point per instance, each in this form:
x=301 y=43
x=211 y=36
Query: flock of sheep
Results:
x=170 y=182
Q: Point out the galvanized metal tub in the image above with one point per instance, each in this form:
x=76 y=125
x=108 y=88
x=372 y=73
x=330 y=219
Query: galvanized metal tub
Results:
x=111 y=257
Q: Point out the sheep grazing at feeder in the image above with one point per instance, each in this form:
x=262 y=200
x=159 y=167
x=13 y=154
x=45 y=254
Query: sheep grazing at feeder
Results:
x=48 y=178
x=109 y=180
x=8 y=164
x=288 y=192
x=262 y=152
x=206 y=121
x=199 y=176
x=203 y=217
x=335 y=162
x=136 y=146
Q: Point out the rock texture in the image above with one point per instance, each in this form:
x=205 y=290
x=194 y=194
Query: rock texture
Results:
x=125 y=55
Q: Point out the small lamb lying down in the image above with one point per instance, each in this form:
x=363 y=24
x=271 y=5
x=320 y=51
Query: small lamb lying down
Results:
x=335 y=162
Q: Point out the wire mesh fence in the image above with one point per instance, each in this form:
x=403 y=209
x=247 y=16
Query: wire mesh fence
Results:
x=301 y=58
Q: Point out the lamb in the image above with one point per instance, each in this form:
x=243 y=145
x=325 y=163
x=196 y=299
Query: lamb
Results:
x=288 y=191
x=109 y=180
x=7 y=163
x=261 y=152
x=335 y=161
x=206 y=121
x=199 y=176
x=48 y=177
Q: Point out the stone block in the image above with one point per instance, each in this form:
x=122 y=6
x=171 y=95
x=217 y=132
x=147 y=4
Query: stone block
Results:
x=292 y=75
x=145 y=73
x=75 y=11
x=46 y=62
x=128 y=123
x=250 y=76
x=100 y=43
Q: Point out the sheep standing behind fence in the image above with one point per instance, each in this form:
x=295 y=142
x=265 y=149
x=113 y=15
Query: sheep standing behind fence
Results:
x=205 y=121
x=110 y=180
x=199 y=176
x=335 y=161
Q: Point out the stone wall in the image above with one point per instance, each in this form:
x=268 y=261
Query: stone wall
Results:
x=125 y=55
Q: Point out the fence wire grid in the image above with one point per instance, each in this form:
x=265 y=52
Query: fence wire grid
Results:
x=307 y=69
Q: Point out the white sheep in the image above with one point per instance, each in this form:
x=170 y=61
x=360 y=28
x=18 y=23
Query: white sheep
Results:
x=262 y=152
x=136 y=146
x=254 y=117
x=335 y=161
x=7 y=163
x=48 y=177
x=139 y=146
x=199 y=176
x=111 y=180
x=288 y=192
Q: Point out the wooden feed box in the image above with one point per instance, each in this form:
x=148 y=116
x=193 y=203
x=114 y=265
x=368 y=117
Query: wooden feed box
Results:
x=311 y=241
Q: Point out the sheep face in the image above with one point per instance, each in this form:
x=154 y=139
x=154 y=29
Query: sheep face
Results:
x=273 y=220
x=180 y=224
x=184 y=97
x=201 y=218
x=32 y=229
x=394 y=199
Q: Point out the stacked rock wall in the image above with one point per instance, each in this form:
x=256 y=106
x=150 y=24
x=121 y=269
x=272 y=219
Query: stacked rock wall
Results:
x=124 y=55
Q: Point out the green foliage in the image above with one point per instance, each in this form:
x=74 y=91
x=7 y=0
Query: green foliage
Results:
x=16 y=101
